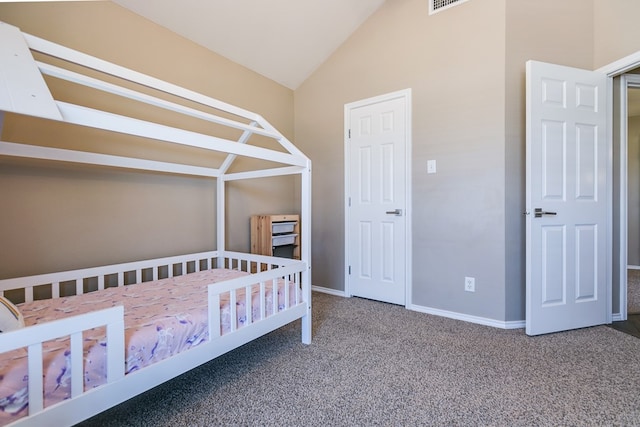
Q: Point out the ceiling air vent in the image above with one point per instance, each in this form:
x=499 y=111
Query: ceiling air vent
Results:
x=440 y=5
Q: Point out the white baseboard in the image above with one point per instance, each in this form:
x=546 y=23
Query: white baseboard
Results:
x=501 y=324
x=329 y=291
x=515 y=324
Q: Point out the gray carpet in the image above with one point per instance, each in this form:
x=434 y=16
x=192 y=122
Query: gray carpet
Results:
x=377 y=364
x=633 y=291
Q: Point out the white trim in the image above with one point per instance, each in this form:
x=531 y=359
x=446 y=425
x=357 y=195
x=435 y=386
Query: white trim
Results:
x=626 y=81
x=518 y=324
x=334 y=292
x=614 y=69
x=406 y=94
x=623 y=177
x=633 y=267
x=609 y=196
x=622 y=65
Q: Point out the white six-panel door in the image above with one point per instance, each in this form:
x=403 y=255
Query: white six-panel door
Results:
x=568 y=173
x=377 y=211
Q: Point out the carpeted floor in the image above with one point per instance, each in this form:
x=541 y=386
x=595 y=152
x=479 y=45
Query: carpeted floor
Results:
x=377 y=364
x=633 y=291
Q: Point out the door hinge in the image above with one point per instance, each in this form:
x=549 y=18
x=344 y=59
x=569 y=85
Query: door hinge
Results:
x=349 y=133
x=349 y=270
x=349 y=201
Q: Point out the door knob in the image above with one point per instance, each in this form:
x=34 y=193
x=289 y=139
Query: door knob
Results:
x=397 y=212
x=539 y=213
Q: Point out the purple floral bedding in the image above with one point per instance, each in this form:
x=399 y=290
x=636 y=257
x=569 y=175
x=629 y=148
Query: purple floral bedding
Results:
x=162 y=318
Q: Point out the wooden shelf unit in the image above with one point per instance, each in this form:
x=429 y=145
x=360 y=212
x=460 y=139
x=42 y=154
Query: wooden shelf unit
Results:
x=269 y=232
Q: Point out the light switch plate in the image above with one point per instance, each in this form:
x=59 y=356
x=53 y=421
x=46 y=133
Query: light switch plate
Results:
x=431 y=166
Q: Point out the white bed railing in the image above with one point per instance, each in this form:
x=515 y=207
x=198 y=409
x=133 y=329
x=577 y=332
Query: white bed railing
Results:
x=72 y=327
x=286 y=270
x=24 y=91
x=111 y=275
x=136 y=272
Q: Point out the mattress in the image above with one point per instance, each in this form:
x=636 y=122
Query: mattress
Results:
x=162 y=318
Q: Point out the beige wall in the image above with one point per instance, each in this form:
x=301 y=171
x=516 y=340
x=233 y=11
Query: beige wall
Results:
x=466 y=68
x=59 y=216
x=454 y=64
x=616 y=30
x=544 y=30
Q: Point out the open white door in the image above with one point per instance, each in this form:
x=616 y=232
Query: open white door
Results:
x=568 y=179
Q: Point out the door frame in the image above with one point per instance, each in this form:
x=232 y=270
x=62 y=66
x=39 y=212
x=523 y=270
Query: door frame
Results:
x=627 y=81
x=405 y=94
x=617 y=128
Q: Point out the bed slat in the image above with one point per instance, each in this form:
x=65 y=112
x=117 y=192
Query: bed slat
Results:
x=115 y=349
x=263 y=300
x=36 y=399
x=233 y=310
x=286 y=291
x=28 y=294
x=77 y=359
x=274 y=296
x=214 y=313
x=248 y=311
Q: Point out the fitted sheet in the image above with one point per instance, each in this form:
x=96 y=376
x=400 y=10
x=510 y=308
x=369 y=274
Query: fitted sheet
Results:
x=162 y=318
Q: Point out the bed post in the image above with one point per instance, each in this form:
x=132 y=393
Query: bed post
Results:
x=306 y=248
x=220 y=220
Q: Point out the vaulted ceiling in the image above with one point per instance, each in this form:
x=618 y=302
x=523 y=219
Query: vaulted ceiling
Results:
x=284 y=40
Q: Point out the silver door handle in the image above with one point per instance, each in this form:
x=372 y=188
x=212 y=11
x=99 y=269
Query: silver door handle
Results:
x=538 y=213
x=397 y=212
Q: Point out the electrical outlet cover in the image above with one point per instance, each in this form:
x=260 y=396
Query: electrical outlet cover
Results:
x=470 y=284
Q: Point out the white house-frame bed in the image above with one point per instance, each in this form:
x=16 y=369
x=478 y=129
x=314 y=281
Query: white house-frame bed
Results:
x=23 y=90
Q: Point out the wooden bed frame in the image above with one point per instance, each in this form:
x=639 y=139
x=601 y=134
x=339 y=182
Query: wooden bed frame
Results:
x=22 y=76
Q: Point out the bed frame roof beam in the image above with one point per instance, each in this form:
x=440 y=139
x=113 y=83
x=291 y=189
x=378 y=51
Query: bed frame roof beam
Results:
x=264 y=173
x=73 y=56
x=232 y=157
x=286 y=144
x=113 y=122
x=71 y=76
x=73 y=156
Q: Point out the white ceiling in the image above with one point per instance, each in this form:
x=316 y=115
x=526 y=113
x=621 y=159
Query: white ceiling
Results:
x=284 y=40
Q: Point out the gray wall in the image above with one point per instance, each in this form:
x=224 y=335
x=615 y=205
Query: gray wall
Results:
x=466 y=68
x=454 y=62
x=549 y=31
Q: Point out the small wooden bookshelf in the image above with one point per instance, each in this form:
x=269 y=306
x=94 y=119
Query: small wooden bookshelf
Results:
x=276 y=235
